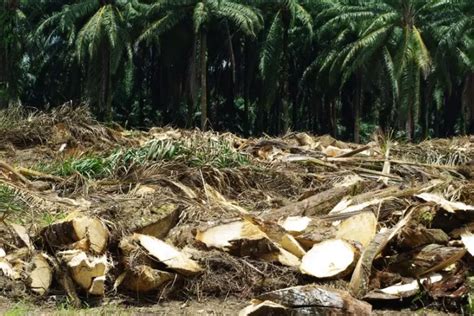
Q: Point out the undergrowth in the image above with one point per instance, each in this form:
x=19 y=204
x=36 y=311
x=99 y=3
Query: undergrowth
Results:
x=214 y=153
x=10 y=203
x=11 y=116
x=90 y=167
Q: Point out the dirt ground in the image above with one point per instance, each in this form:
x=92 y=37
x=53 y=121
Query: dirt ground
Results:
x=211 y=307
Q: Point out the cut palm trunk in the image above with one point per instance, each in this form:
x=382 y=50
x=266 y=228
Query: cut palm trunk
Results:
x=283 y=257
x=309 y=231
x=168 y=255
x=360 y=228
x=468 y=241
x=360 y=278
x=334 y=258
x=40 y=274
x=144 y=278
x=87 y=271
x=278 y=235
x=141 y=249
x=246 y=239
x=6 y=270
x=82 y=232
x=448 y=206
x=315 y=300
x=430 y=258
x=295 y=224
x=402 y=290
x=417 y=235
x=240 y=238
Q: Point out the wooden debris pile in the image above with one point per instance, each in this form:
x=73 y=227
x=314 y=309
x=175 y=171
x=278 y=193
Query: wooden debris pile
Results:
x=370 y=226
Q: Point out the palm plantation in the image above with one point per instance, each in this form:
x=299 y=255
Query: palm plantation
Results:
x=343 y=67
x=97 y=37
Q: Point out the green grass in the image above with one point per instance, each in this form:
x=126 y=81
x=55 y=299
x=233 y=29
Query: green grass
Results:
x=63 y=308
x=49 y=218
x=90 y=167
x=213 y=153
x=19 y=309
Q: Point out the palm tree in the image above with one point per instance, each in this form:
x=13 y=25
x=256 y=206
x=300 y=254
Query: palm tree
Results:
x=12 y=22
x=274 y=58
x=391 y=33
x=98 y=38
x=453 y=37
x=205 y=14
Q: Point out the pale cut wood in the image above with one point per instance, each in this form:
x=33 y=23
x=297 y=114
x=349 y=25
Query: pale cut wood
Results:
x=360 y=228
x=290 y=244
x=332 y=151
x=23 y=235
x=246 y=239
x=98 y=286
x=283 y=257
x=330 y=259
x=170 y=256
x=402 y=290
x=40 y=274
x=449 y=206
x=7 y=270
x=254 y=238
x=93 y=230
x=258 y=308
x=85 y=233
x=223 y=236
x=84 y=269
x=278 y=235
x=360 y=278
x=468 y=241
x=295 y=224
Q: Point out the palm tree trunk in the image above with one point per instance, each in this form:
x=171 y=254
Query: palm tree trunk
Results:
x=468 y=101
x=357 y=105
x=231 y=55
x=250 y=58
x=192 y=83
x=333 y=118
x=452 y=111
x=425 y=110
x=285 y=111
x=246 y=90
x=3 y=77
x=7 y=60
x=411 y=103
x=410 y=121
x=105 y=94
x=285 y=107
x=203 y=100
